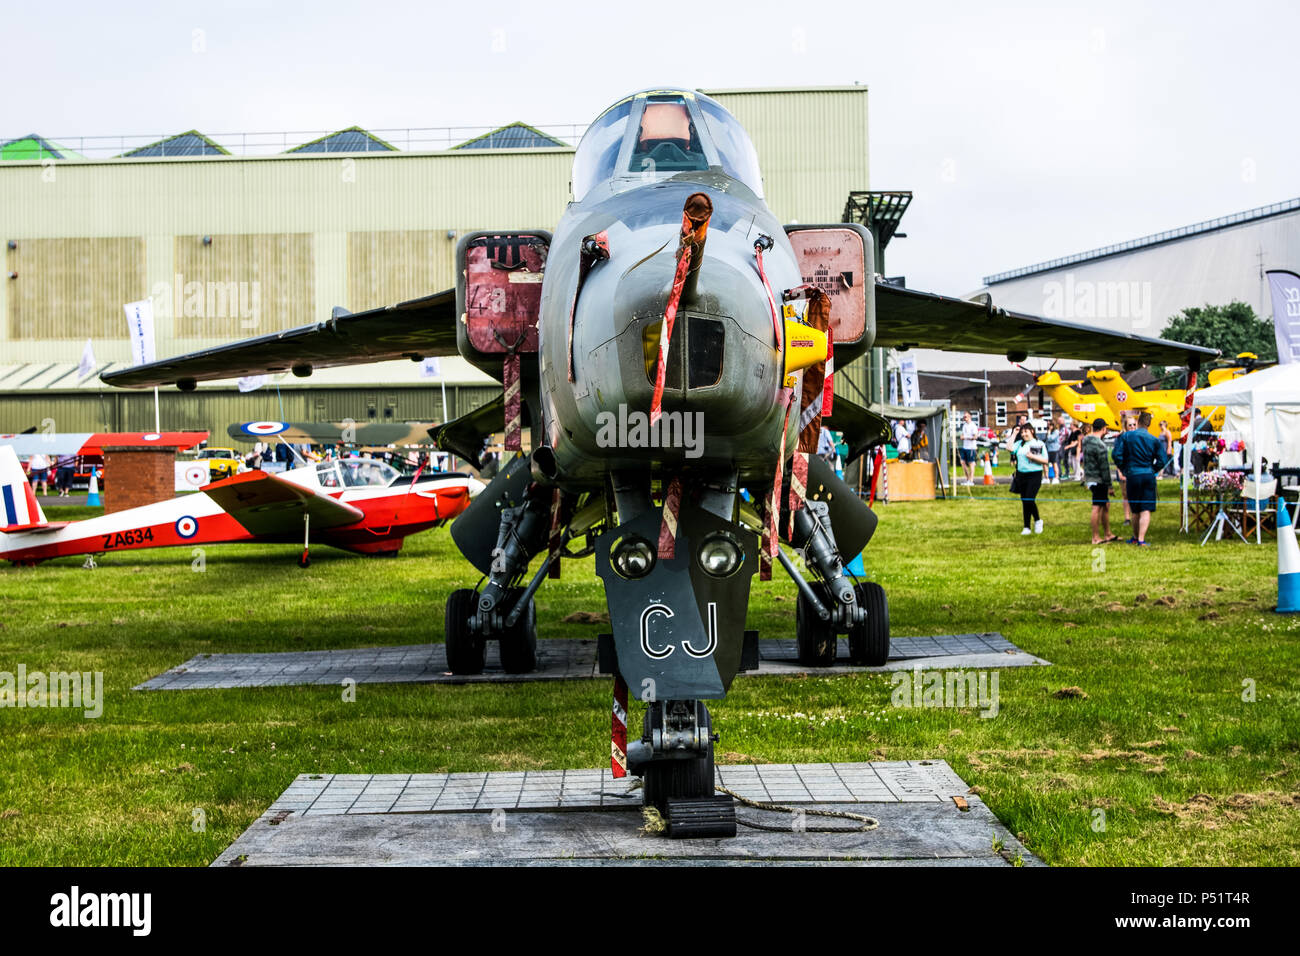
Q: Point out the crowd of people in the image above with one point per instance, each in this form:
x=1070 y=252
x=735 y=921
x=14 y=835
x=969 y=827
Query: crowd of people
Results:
x=407 y=461
x=1138 y=458
x=911 y=441
x=40 y=468
x=1063 y=450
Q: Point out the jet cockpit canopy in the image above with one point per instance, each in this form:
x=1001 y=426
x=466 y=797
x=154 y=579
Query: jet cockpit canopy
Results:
x=655 y=134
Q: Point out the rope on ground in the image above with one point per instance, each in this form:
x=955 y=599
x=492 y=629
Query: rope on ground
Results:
x=867 y=823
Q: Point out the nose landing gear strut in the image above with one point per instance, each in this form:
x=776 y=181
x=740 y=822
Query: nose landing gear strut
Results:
x=675 y=759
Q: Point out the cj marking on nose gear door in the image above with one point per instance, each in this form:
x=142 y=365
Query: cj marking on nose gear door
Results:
x=663 y=610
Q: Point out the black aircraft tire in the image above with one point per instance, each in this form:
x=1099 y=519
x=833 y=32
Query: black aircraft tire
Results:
x=518 y=644
x=676 y=779
x=869 y=641
x=464 y=647
x=816 y=638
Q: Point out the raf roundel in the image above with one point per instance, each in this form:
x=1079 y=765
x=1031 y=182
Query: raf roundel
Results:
x=187 y=527
x=264 y=428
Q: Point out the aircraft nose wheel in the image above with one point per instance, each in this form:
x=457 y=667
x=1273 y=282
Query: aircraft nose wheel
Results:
x=682 y=789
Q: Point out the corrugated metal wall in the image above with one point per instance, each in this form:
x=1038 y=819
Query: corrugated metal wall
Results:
x=281 y=222
x=235 y=286
x=71 y=288
x=212 y=410
x=392 y=266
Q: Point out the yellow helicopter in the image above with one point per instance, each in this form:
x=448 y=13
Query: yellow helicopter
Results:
x=1115 y=397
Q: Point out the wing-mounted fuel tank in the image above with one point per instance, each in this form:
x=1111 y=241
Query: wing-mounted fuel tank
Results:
x=839 y=260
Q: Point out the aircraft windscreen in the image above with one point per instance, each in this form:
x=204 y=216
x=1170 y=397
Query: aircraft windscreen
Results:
x=735 y=149
x=367 y=473
x=597 y=154
x=654 y=135
x=667 y=139
x=328 y=475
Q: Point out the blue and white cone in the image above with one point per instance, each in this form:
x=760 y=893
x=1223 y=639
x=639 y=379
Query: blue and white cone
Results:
x=92 y=493
x=1288 y=563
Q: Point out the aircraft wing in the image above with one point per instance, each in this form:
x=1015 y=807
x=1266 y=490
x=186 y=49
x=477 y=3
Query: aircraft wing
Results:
x=329 y=433
x=906 y=318
x=266 y=504
x=415 y=329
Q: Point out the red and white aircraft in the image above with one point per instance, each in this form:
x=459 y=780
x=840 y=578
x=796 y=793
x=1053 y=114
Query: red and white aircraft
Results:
x=358 y=504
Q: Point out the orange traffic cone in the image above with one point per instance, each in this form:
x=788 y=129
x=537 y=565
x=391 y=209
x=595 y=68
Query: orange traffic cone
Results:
x=988 y=470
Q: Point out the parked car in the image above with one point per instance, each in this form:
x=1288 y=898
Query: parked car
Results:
x=221 y=462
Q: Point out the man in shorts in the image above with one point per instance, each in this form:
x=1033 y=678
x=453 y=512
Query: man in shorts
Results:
x=1140 y=456
x=1128 y=424
x=1096 y=476
x=966 y=453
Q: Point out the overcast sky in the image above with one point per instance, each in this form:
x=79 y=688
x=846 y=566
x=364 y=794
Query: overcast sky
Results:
x=1026 y=131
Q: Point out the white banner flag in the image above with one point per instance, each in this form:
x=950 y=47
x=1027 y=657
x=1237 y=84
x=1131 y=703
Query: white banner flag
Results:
x=251 y=383
x=1285 y=287
x=139 y=320
x=87 y=362
x=911 y=388
x=431 y=368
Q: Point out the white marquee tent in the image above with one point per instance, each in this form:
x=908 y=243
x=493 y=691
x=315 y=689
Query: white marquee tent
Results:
x=1264 y=408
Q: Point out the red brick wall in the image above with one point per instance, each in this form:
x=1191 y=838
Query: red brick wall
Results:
x=136 y=476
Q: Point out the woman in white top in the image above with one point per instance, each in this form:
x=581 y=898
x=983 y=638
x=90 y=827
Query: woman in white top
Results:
x=39 y=467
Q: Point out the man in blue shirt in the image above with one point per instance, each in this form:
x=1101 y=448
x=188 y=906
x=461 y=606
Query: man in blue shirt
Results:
x=1140 y=456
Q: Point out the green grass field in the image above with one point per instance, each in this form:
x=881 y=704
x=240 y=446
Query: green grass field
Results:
x=1161 y=762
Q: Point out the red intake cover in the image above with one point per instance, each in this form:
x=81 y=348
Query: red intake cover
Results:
x=503 y=292
x=834 y=261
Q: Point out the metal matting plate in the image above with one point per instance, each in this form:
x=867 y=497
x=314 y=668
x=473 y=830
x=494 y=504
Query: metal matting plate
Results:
x=584 y=817
x=557 y=659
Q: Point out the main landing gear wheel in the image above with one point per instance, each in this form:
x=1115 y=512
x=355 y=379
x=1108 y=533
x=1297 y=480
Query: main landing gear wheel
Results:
x=518 y=644
x=687 y=778
x=869 y=641
x=815 y=637
x=464 y=647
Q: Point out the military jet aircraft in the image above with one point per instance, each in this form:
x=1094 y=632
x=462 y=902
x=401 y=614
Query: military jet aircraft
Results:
x=668 y=346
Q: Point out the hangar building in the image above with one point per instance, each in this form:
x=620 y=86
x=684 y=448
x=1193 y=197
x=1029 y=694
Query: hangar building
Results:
x=1139 y=285
x=229 y=242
